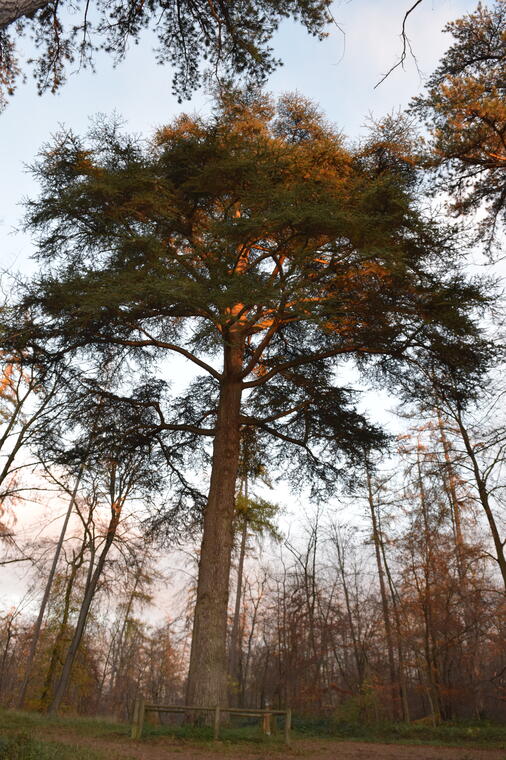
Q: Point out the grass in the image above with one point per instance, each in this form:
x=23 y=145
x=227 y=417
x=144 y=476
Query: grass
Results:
x=476 y=734
x=22 y=746
x=17 y=720
x=21 y=736
x=236 y=733
x=482 y=734
x=26 y=735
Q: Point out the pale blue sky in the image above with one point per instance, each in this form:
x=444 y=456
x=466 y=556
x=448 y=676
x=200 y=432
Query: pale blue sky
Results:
x=339 y=73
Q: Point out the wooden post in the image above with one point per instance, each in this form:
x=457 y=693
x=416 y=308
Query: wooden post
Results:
x=266 y=723
x=135 y=719
x=216 y=722
x=288 y=726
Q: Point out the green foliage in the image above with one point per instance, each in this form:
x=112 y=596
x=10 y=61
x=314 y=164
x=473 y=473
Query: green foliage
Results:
x=23 y=747
x=465 y=108
x=236 y=733
x=462 y=733
x=17 y=721
x=18 y=729
x=259 y=516
x=256 y=227
x=359 y=709
x=231 y=37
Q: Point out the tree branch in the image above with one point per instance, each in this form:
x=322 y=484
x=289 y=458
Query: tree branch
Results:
x=405 y=45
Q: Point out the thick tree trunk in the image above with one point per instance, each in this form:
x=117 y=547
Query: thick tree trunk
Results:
x=207 y=677
x=11 y=10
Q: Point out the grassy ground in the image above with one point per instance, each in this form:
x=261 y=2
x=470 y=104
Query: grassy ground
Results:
x=484 y=734
x=21 y=736
x=30 y=736
x=24 y=747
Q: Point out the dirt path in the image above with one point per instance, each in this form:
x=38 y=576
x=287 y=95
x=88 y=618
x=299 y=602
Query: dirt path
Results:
x=164 y=748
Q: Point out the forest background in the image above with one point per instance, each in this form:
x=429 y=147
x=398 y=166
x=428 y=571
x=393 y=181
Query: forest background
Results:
x=334 y=64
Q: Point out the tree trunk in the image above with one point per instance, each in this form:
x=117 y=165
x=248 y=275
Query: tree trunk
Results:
x=484 y=497
x=384 y=598
x=12 y=10
x=449 y=481
x=234 y=649
x=359 y=660
x=432 y=669
x=8 y=638
x=117 y=659
x=207 y=677
x=403 y=688
x=83 y=612
x=57 y=648
x=47 y=591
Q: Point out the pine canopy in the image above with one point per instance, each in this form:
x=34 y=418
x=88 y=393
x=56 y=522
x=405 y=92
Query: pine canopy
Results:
x=256 y=226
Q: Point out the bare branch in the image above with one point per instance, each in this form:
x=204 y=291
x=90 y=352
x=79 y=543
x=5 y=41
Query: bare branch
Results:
x=406 y=45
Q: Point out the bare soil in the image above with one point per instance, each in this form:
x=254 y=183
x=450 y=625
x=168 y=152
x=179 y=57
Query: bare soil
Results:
x=167 y=748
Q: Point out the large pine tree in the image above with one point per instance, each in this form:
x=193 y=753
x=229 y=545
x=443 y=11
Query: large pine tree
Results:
x=260 y=248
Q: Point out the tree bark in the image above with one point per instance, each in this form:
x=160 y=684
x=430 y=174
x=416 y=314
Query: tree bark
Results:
x=116 y=663
x=83 y=612
x=47 y=591
x=207 y=677
x=384 y=599
x=234 y=647
x=12 y=10
x=449 y=481
x=357 y=654
x=58 y=643
x=403 y=689
x=432 y=667
x=483 y=494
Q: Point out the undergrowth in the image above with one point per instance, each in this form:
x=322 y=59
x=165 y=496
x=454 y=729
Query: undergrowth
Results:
x=24 y=747
x=458 y=733
x=23 y=734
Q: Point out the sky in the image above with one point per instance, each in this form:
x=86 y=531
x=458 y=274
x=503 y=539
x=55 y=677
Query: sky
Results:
x=339 y=74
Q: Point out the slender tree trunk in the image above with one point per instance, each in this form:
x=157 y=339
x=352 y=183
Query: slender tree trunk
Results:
x=484 y=497
x=234 y=636
x=384 y=599
x=5 y=653
x=359 y=664
x=56 y=652
x=426 y=601
x=207 y=678
x=469 y=644
x=116 y=663
x=83 y=612
x=449 y=481
x=47 y=592
x=403 y=688
x=249 y=647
